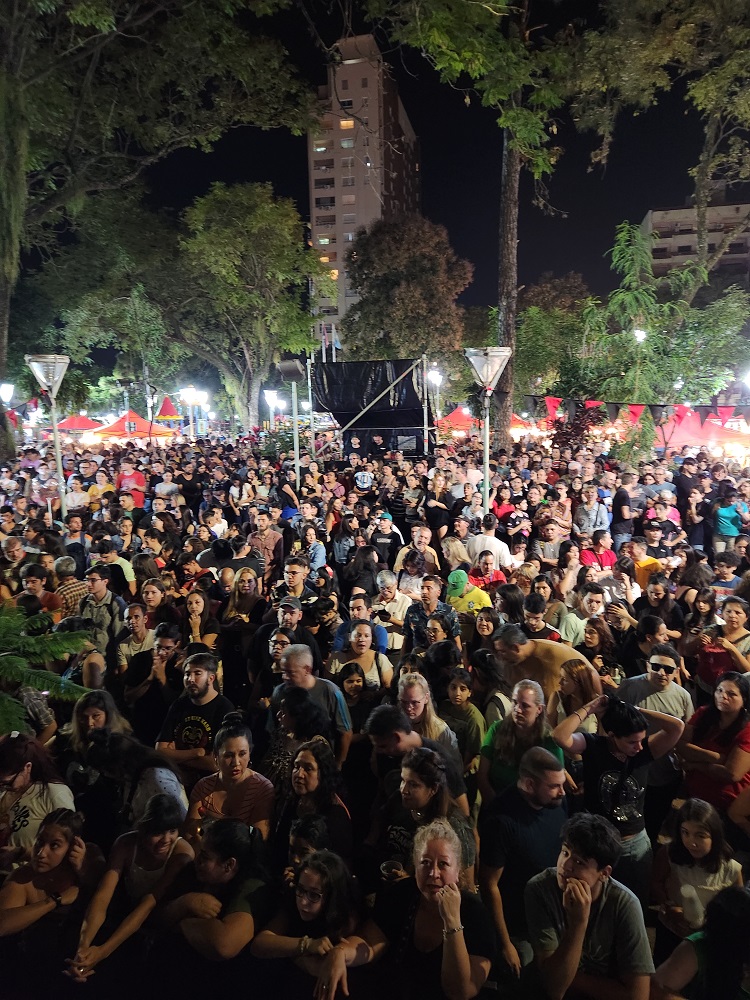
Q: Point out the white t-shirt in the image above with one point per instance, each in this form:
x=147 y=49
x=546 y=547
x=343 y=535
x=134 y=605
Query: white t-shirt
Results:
x=20 y=824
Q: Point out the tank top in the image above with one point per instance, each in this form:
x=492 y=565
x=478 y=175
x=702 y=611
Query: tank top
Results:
x=139 y=881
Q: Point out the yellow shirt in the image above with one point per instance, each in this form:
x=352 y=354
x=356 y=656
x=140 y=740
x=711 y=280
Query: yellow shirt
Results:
x=472 y=602
x=645 y=568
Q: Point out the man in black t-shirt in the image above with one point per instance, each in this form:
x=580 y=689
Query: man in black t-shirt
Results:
x=187 y=736
x=622 y=511
x=522 y=825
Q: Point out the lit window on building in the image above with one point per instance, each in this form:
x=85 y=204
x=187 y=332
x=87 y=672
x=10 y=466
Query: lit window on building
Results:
x=346 y=123
x=347 y=143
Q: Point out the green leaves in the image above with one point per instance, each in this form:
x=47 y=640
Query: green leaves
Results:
x=408 y=279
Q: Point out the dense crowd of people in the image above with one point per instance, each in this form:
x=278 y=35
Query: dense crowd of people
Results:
x=352 y=732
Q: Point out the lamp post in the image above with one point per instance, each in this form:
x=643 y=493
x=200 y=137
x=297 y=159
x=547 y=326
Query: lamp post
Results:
x=488 y=364
x=271 y=397
x=436 y=378
x=49 y=371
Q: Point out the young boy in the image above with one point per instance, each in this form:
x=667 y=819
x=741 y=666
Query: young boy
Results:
x=465 y=719
x=586 y=929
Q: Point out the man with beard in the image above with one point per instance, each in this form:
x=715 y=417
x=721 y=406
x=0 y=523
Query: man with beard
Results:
x=521 y=825
x=187 y=736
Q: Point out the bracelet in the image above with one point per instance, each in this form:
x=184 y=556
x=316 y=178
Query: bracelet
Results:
x=55 y=897
x=304 y=944
x=453 y=930
x=579 y=717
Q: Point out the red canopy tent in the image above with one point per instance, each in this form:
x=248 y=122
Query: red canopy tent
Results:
x=460 y=421
x=689 y=431
x=130 y=425
x=167 y=410
x=78 y=423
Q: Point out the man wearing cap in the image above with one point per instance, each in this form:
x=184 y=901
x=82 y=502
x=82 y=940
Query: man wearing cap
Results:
x=271 y=545
x=466 y=600
x=386 y=539
x=289 y=615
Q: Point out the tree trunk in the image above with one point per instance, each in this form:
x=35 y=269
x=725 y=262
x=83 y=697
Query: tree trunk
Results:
x=14 y=157
x=507 y=290
x=252 y=407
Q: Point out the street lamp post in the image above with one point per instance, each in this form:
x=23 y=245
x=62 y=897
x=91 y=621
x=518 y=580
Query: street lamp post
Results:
x=49 y=371
x=488 y=364
x=436 y=378
x=271 y=397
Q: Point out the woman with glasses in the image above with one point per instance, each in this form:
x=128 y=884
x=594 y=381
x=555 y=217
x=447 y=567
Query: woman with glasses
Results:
x=30 y=787
x=415 y=698
x=318 y=917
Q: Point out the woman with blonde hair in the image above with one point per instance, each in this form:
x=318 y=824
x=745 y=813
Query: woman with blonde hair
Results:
x=415 y=698
x=456 y=556
x=524 y=577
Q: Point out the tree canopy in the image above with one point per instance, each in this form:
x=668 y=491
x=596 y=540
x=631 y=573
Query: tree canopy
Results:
x=91 y=94
x=408 y=279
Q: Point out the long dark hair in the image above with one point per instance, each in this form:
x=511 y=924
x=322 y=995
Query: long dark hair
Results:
x=430 y=770
x=329 y=776
x=118 y=753
x=711 y=716
x=18 y=749
x=512 y=606
x=231 y=838
x=698 y=811
x=339 y=905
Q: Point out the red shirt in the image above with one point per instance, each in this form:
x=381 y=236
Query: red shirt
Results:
x=134 y=483
x=602 y=560
x=488 y=583
x=703 y=786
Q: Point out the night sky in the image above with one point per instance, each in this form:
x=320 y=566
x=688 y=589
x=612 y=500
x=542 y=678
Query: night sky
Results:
x=460 y=157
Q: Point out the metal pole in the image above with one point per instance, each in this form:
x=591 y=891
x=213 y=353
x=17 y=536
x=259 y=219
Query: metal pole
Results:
x=377 y=399
x=486 y=483
x=312 y=408
x=58 y=457
x=295 y=431
x=425 y=406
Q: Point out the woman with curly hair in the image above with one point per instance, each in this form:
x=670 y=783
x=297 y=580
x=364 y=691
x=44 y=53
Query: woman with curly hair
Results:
x=316 y=784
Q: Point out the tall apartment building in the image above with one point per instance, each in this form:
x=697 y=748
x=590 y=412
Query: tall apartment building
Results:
x=677 y=237
x=363 y=160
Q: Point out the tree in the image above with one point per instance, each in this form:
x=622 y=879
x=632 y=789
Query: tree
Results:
x=27 y=644
x=91 y=94
x=250 y=271
x=498 y=50
x=678 y=348
x=647 y=48
x=408 y=278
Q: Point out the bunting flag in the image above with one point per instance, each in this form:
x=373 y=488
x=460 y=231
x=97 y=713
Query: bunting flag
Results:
x=571 y=408
x=744 y=412
x=680 y=412
x=613 y=411
x=724 y=413
x=552 y=403
x=13 y=417
x=657 y=411
x=704 y=412
x=634 y=412
x=591 y=404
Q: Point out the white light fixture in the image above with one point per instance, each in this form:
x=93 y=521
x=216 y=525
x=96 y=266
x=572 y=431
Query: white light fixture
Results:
x=640 y=335
x=49 y=371
x=211 y=415
x=6 y=392
x=466 y=411
x=271 y=396
x=281 y=404
x=306 y=404
x=434 y=376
